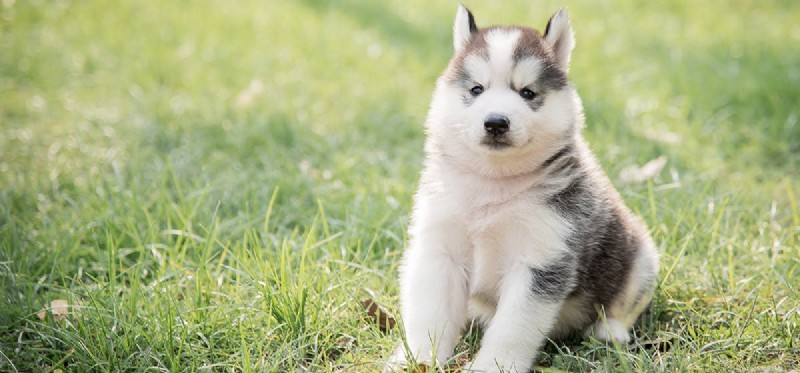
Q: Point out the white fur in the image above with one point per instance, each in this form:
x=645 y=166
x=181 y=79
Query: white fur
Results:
x=520 y=326
x=501 y=48
x=628 y=306
x=561 y=38
x=526 y=72
x=482 y=238
x=461 y=31
x=481 y=221
x=476 y=227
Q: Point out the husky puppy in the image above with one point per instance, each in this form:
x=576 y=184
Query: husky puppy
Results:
x=514 y=223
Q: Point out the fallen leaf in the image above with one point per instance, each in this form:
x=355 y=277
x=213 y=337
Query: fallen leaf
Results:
x=59 y=308
x=378 y=315
x=247 y=96
x=649 y=170
x=342 y=345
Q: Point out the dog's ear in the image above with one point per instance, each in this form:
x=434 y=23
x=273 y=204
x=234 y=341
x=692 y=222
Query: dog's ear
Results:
x=558 y=35
x=463 y=28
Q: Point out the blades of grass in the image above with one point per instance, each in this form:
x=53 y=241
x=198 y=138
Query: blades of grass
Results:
x=247 y=365
x=678 y=256
x=718 y=220
x=268 y=214
x=171 y=333
x=211 y=238
x=111 y=252
x=14 y=367
x=60 y=363
x=747 y=319
x=731 y=269
x=321 y=212
x=651 y=198
x=792 y=202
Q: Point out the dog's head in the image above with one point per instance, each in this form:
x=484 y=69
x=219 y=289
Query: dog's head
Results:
x=506 y=90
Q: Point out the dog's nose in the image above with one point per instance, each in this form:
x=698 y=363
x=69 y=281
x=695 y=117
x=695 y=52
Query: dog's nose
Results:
x=496 y=124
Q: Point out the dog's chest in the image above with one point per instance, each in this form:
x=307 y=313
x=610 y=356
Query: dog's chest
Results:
x=506 y=225
x=517 y=233
x=489 y=207
x=485 y=198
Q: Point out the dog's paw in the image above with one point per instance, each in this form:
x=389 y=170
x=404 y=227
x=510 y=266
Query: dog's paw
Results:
x=480 y=365
x=609 y=330
x=490 y=369
x=397 y=362
x=476 y=369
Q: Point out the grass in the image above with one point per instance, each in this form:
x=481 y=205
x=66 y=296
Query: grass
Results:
x=217 y=186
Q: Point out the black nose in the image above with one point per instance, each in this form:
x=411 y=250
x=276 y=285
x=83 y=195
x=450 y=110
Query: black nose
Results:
x=496 y=124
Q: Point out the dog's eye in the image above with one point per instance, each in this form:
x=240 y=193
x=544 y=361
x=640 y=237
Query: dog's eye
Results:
x=527 y=94
x=476 y=90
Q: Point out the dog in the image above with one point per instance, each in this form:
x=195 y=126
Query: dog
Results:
x=514 y=223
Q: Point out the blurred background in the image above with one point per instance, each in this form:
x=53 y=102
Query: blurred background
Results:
x=176 y=155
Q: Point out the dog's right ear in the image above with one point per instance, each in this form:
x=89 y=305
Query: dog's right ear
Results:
x=558 y=34
x=463 y=28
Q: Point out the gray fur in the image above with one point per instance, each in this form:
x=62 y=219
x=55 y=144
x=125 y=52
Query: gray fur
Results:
x=537 y=102
x=555 y=281
x=604 y=236
x=564 y=157
x=529 y=45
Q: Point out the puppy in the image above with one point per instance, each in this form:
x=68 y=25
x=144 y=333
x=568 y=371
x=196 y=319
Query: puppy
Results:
x=514 y=223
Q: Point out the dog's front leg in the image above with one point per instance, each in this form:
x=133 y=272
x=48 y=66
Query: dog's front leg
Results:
x=530 y=299
x=433 y=296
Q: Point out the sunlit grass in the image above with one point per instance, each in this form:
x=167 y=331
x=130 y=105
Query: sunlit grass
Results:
x=217 y=186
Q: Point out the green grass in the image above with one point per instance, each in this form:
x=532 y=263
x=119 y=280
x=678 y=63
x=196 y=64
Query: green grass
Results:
x=198 y=224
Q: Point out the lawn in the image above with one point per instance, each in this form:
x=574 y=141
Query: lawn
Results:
x=217 y=186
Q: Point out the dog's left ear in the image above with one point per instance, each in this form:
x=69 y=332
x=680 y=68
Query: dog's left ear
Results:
x=463 y=28
x=558 y=35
